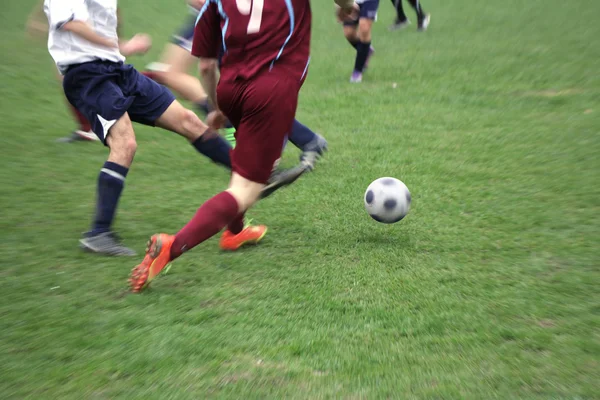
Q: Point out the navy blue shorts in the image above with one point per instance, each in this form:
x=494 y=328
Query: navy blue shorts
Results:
x=104 y=91
x=184 y=36
x=367 y=10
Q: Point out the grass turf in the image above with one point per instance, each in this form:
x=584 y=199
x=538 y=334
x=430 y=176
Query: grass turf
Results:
x=489 y=289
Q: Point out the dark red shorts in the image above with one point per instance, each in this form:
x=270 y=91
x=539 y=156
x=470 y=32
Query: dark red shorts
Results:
x=262 y=111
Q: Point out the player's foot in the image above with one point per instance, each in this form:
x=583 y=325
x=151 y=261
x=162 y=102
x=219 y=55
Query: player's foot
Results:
x=249 y=235
x=79 y=136
x=356 y=77
x=399 y=24
x=158 y=256
x=229 y=135
x=281 y=178
x=424 y=22
x=313 y=151
x=371 y=52
x=107 y=243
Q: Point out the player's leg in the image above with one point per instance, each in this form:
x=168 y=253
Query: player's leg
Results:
x=422 y=17
x=173 y=72
x=263 y=118
x=122 y=144
x=94 y=88
x=363 y=47
x=312 y=144
x=351 y=32
x=401 y=20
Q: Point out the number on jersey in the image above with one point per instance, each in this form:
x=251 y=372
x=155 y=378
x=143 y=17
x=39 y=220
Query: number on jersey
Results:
x=255 y=9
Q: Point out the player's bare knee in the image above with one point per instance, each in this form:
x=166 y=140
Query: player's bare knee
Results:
x=350 y=33
x=191 y=125
x=364 y=30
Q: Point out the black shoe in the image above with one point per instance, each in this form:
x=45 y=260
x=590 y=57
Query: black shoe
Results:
x=281 y=178
x=107 y=243
x=424 y=22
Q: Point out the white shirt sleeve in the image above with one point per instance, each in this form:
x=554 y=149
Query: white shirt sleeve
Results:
x=60 y=12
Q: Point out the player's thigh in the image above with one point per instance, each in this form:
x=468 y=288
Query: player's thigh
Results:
x=150 y=99
x=268 y=111
x=179 y=119
x=94 y=90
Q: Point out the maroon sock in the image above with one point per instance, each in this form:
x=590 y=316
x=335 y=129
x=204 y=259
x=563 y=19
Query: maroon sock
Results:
x=210 y=218
x=237 y=225
x=84 y=124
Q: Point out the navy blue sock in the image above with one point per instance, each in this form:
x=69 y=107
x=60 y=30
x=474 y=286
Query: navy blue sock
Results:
x=353 y=43
x=301 y=135
x=215 y=147
x=362 y=53
x=204 y=106
x=110 y=185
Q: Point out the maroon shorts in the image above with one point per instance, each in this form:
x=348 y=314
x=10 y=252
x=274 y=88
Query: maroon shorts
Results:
x=262 y=111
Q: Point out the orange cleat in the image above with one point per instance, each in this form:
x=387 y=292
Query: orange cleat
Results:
x=249 y=235
x=158 y=256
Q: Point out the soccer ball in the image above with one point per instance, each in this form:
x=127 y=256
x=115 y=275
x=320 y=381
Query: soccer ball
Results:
x=387 y=200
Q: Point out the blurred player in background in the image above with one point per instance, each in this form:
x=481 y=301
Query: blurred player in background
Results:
x=37 y=26
x=358 y=34
x=84 y=43
x=173 y=72
x=402 y=20
x=266 y=46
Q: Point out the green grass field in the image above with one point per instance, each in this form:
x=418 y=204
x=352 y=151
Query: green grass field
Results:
x=488 y=289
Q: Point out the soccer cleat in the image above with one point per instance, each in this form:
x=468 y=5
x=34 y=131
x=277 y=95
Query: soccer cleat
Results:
x=424 y=22
x=356 y=77
x=229 y=135
x=79 y=136
x=248 y=235
x=281 y=178
x=313 y=151
x=107 y=243
x=158 y=256
x=399 y=24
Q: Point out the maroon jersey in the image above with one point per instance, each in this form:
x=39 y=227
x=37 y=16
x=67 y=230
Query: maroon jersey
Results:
x=255 y=36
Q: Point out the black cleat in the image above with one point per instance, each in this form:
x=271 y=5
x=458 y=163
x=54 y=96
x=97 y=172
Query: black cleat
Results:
x=424 y=22
x=281 y=178
x=107 y=243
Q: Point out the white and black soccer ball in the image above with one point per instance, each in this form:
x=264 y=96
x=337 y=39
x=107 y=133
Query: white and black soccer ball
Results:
x=387 y=200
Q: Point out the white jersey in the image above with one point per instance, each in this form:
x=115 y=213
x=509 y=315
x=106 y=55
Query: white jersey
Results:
x=65 y=47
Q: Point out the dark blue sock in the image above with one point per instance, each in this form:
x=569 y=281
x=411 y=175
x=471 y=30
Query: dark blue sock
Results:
x=301 y=135
x=353 y=43
x=110 y=185
x=204 y=106
x=215 y=147
x=362 y=53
